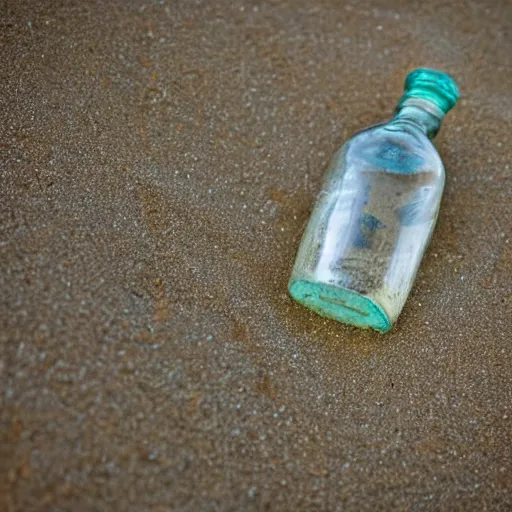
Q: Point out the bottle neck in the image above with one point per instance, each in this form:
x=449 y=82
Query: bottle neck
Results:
x=421 y=114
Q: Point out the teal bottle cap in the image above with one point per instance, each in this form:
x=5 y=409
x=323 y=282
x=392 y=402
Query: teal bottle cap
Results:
x=434 y=86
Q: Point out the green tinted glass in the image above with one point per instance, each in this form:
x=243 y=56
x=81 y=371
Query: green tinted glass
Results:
x=435 y=86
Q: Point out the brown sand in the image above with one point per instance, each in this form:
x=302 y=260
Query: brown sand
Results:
x=158 y=163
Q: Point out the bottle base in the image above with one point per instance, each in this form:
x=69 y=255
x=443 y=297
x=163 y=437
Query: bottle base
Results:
x=340 y=304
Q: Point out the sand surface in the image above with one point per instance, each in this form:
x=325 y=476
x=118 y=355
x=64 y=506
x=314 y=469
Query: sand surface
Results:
x=158 y=162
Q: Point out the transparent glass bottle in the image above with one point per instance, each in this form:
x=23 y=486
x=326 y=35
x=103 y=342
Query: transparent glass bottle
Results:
x=376 y=212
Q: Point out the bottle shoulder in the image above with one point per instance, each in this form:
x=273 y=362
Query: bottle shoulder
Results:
x=395 y=148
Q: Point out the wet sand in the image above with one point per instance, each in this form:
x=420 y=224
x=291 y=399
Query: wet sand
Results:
x=158 y=163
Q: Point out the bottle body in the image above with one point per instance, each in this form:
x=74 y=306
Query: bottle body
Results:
x=370 y=227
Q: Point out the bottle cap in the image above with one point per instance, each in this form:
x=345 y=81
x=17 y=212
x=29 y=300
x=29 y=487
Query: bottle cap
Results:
x=434 y=86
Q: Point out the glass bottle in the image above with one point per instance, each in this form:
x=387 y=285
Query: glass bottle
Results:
x=376 y=212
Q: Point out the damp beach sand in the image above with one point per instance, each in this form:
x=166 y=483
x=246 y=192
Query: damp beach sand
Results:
x=158 y=163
